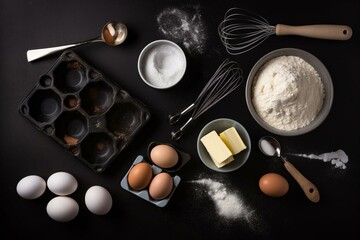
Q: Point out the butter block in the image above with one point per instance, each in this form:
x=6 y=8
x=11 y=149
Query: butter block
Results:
x=227 y=161
x=232 y=140
x=216 y=148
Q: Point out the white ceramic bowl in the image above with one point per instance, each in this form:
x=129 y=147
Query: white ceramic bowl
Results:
x=162 y=64
x=325 y=78
x=220 y=125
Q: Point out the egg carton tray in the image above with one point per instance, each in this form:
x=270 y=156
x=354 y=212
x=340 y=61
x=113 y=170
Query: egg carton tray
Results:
x=91 y=117
x=144 y=194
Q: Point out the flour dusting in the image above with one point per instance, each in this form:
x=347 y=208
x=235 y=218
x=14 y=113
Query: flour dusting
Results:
x=184 y=27
x=338 y=159
x=228 y=204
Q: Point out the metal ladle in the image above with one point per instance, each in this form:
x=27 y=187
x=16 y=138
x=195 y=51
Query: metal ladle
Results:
x=271 y=147
x=113 y=34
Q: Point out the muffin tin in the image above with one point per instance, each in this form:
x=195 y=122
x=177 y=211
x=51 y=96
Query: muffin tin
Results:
x=144 y=194
x=91 y=117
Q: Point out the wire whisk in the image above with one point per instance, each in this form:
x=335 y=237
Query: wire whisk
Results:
x=226 y=79
x=242 y=30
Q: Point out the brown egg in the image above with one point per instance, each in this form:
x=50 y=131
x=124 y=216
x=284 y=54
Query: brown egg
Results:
x=273 y=185
x=164 y=156
x=140 y=176
x=161 y=186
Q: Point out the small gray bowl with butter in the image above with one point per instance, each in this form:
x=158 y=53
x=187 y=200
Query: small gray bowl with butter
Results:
x=219 y=125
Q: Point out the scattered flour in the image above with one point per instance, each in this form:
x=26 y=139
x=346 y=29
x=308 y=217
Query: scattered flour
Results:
x=288 y=93
x=338 y=158
x=228 y=205
x=184 y=27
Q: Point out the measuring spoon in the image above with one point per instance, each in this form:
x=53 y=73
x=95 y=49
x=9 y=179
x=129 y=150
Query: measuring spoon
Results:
x=113 y=34
x=271 y=147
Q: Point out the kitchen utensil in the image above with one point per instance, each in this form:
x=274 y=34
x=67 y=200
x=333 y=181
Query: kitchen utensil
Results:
x=162 y=64
x=226 y=79
x=242 y=30
x=90 y=116
x=113 y=34
x=271 y=147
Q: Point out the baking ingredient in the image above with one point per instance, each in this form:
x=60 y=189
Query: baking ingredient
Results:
x=217 y=149
x=140 y=176
x=31 y=187
x=98 y=200
x=232 y=140
x=267 y=147
x=62 y=183
x=338 y=158
x=228 y=204
x=161 y=186
x=164 y=156
x=288 y=93
x=62 y=208
x=164 y=65
x=185 y=27
x=273 y=185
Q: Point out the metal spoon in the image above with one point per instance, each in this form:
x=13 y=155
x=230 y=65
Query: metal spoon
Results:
x=271 y=147
x=113 y=34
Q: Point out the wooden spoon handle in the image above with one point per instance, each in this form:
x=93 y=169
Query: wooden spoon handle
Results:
x=322 y=31
x=310 y=190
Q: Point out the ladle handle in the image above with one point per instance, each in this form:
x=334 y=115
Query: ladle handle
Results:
x=322 y=31
x=310 y=190
x=42 y=52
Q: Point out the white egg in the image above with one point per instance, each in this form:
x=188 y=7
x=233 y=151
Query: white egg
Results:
x=62 y=208
x=98 y=200
x=62 y=183
x=31 y=187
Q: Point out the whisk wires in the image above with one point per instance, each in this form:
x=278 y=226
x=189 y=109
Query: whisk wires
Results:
x=242 y=30
x=226 y=79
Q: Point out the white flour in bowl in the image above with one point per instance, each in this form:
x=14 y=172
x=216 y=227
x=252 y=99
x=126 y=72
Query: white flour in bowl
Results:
x=288 y=93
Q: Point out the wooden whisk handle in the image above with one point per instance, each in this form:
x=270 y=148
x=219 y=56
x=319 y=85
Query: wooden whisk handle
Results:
x=322 y=31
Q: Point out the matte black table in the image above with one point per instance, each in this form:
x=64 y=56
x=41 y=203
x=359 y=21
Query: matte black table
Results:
x=190 y=213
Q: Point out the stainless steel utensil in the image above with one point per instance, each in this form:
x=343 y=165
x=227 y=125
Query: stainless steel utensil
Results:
x=113 y=34
x=226 y=79
x=242 y=30
x=271 y=147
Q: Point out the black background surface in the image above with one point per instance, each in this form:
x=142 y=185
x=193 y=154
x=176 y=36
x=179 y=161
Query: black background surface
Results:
x=190 y=213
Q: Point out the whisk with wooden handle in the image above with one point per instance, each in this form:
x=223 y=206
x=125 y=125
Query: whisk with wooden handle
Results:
x=226 y=79
x=242 y=30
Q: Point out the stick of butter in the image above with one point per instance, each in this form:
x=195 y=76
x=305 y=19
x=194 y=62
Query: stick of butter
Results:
x=232 y=140
x=218 y=151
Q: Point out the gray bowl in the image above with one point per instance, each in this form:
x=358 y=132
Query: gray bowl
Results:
x=324 y=75
x=154 y=52
x=220 y=125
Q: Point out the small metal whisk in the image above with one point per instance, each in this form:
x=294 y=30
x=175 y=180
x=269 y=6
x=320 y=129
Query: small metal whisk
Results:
x=242 y=30
x=226 y=79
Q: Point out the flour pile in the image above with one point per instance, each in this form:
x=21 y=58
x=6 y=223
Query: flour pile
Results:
x=228 y=205
x=288 y=93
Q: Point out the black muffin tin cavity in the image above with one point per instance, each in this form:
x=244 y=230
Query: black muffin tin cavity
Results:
x=91 y=117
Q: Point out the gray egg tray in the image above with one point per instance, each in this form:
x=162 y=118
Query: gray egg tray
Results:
x=91 y=117
x=144 y=194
